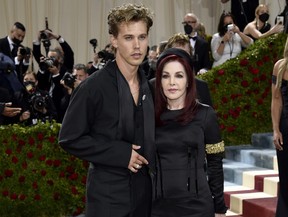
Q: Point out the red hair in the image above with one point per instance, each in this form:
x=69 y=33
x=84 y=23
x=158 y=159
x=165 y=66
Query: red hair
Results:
x=190 y=104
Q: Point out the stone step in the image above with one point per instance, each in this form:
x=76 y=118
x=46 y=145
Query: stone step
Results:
x=251 y=155
x=262 y=140
x=233 y=170
x=232 y=214
x=254 y=179
x=237 y=200
x=264 y=207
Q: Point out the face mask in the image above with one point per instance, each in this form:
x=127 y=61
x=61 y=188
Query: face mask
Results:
x=264 y=17
x=188 y=29
x=30 y=86
x=16 y=41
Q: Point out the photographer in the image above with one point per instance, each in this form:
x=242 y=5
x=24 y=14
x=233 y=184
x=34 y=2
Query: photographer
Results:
x=11 y=46
x=71 y=81
x=45 y=36
x=38 y=102
x=49 y=75
x=100 y=58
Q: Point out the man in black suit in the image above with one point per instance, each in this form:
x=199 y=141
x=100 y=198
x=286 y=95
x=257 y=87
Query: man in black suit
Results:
x=200 y=46
x=110 y=122
x=243 y=11
x=11 y=46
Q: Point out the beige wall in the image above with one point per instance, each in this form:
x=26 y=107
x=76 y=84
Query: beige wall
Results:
x=80 y=20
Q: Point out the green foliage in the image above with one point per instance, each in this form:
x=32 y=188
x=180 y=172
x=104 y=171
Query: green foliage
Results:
x=37 y=177
x=241 y=90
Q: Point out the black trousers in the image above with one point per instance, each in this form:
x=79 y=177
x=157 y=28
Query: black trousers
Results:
x=114 y=192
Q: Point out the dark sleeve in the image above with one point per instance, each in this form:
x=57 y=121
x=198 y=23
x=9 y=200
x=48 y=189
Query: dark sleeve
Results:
x=206 y=63
x=68 y=55
x=203 y=92
x=86 y=134
x=37 y=52
x=2 y=106
x=214 y=154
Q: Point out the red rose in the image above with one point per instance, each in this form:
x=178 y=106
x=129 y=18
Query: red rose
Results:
x=8 y=173
x=50 y=182
x=254 y=70
x=22 y=197
x=259 y=63
x=35 y=185
x=49 y=162
x=70 y=169
x=37 y=197
x=244 y=83
x=56 y=196
x=73 y=176
x=74 y=190
x=231 y=129
x=5 y=193
x=24 y=165
x=57 y=163
x=15 y=160
x=21 y=142
x=42 y=158
x=266 y=58
x=256 y=80
x=40 y=136
x=13 y=196
x=21 y=179
x=263 y=77
x=222 y=126
x=221 y=72
x=83 y=180
x=43 y=172
x=224 y=99
x=31 y=141
x=62 y=174
x=30 y=155
x=260 y=101
x=8 y=151
x=39 y=146
x=216 y=81
x=51 y=139
x=244 y=62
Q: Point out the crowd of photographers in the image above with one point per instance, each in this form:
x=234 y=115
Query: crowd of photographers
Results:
x=28 y=97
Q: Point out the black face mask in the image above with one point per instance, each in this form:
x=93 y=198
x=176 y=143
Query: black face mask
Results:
x=188 y=29
x=16 y=41
x=264 y=17
x=30 y=86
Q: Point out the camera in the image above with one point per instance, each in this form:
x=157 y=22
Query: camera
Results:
x=25 y=51
x=94 y=43
x=69 y=79
x=44 y=35
x=38 y=101
x=48 y=62
x=230 y=27
x=105 y=56
x=280 y=20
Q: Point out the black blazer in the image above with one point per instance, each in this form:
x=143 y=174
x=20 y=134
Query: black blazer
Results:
x=5 y=49
x=201 y=55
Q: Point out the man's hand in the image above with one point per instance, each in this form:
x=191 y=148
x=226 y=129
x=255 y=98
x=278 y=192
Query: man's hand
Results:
x=10 y=111
x=136 y=160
